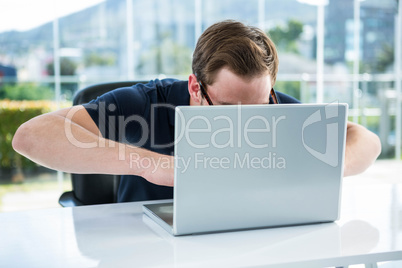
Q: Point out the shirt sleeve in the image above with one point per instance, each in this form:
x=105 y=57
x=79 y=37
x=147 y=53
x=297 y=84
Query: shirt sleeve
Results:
x=119 y=114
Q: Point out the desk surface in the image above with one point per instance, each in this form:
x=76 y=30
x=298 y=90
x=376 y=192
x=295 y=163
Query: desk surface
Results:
x=119 y=235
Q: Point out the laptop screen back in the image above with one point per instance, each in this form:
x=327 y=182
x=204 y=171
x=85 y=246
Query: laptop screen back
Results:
x=254 y=166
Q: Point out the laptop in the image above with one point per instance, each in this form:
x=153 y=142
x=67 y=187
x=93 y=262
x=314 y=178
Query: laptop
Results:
x=254 y=166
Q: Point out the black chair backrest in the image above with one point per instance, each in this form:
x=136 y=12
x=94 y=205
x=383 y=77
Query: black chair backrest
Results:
x=90 y=189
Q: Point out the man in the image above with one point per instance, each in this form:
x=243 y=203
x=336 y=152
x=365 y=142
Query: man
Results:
x=126 y=132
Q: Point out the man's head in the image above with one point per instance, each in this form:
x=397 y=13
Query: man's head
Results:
x=245 y=50
x=230 y=46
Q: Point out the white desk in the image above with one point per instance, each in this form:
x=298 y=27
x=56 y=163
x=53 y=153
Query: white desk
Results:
x=118 y=235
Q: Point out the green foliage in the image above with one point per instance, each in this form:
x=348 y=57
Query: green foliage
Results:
x=167 y=57
x=95 y=59
x=385 y=58
x=67 y=67
x=285 y=38
x=181 y=59
x=26 y=91
x=291 y=88
x=12 y=115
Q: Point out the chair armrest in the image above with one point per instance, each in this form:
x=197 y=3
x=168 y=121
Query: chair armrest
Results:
x=67 y=199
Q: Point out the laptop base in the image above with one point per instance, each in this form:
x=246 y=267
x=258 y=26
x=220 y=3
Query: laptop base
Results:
x=162 y=213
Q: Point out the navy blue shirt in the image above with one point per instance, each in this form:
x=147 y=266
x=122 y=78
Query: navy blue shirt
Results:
x=143 y=115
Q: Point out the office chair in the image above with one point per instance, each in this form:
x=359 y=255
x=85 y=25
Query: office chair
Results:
x=91 y=189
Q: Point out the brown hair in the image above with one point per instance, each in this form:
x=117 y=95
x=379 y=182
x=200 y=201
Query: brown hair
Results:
x=245 y=50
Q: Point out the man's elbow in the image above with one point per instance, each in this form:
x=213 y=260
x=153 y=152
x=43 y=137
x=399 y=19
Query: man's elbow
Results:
x=376 y=146
x=362 y=151
x=372 y=152
x=372 y=146
x=22 y=142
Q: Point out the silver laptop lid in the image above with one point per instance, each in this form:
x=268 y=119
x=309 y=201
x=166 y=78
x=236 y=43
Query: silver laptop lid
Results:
x=251 y=166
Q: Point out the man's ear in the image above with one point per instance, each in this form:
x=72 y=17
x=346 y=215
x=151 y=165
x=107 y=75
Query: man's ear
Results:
x=194 y=90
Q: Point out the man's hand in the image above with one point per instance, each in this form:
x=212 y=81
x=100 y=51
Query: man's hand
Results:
x=155 y=168
x=362 y=149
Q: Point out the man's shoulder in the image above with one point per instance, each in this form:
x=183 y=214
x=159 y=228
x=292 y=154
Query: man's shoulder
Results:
x=148 y=91
x=285 y=98
x=157 y=84
x=161 y=86
x=151 y=86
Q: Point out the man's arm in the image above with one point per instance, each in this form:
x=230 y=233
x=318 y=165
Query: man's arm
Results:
x=69 y=140
x=362 y=149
